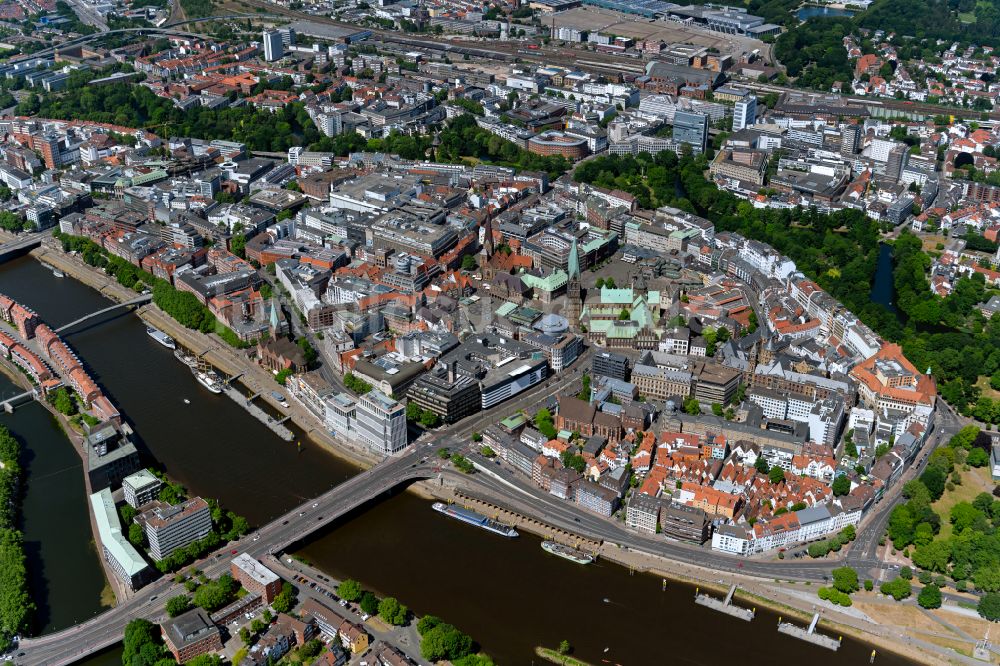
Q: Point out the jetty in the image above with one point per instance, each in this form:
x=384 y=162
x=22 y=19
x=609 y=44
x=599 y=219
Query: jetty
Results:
x=809 y=635
x=725 y=605
x=277 y=427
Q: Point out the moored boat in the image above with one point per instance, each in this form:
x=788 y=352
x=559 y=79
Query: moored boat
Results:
x=161 y=337
x=473 y=518
x=210 y=381
x=567 y=553
x=186 y=359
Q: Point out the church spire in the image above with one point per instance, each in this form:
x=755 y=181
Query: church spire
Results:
x=574 y=294
x=488 y=236
x=573 y=269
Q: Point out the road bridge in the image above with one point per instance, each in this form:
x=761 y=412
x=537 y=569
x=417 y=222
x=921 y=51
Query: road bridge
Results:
x=106 y=629
x=18 y=247
x=138 y=300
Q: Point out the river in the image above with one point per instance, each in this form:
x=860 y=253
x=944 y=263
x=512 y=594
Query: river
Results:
x=64 y=573
x=508 y=594
x=511 y=595
x=883 y=287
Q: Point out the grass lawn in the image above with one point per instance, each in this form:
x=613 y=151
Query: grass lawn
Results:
x=974 y=626
x=974 y=481
x=896 y=614
x=930 y=243
x=984 y=386
x=967 y=17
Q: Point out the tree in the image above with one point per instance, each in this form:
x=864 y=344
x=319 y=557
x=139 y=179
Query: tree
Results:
x=897 y=588
x=359 y=386
x=413 y=412
x=311 y=649
x=987 y=578
x=978 y=458
x=393 y=612
x=216 y=594
x=544 y=423
x=776 y=475
x=142 y=644
x=135 y=535
x=841 y=485
x=845 y=579
x=469 y=263
x=989 y=606
x=930 y=596
x=172 y=493
x=63 y=402
x=565 y=647
x=429 y=419
x=238 y=245
x=964 y=438
x=349 y=590
x=282 y=375
x=444 y=642
x=426 y=623
x=964 y=515
x=285 y=599
x=934 y=480
x=127 y=513
x=692 y=406
x=761 y=465
x=488 y=452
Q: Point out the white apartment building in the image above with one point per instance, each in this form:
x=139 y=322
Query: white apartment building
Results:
x=744 y=113
x=169 y=528
x=381 y=422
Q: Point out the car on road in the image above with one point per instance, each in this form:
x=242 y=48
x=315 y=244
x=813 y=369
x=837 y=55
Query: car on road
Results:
x=315 y=504
x=284 y=523
x=232 y=552
x=302 y=513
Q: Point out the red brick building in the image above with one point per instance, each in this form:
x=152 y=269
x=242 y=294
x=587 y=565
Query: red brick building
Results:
x=191 y=634
x=255 y=577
